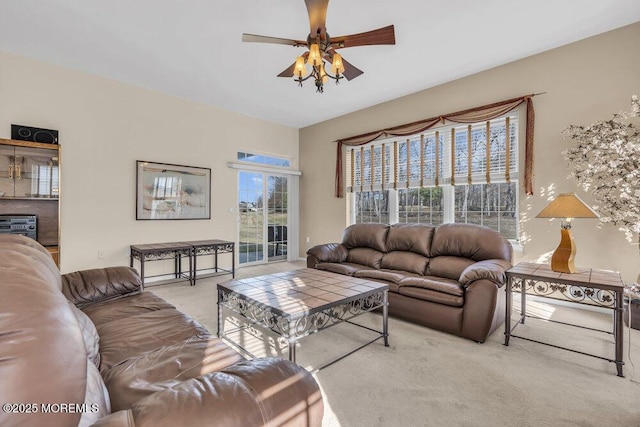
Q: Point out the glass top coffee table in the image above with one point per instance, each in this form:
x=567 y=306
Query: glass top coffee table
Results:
x=298 y=303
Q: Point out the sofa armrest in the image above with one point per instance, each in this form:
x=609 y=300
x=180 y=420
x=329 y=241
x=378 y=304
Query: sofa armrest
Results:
x=484 y=310
x=490 y=269
x=88 y=287
x=269 y=391
x=330 y=252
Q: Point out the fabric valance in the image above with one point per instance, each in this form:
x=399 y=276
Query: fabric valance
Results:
x=473 y=115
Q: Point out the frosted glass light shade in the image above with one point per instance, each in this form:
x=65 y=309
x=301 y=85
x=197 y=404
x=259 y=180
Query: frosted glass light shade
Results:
x=300 y=69
x=337 y=67
x=314 y=55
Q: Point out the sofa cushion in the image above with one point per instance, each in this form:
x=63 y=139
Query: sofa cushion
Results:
x=134 y=335
x=106 y=312
x=89 y=335
x=331 y=252
x=42 y=355
x=88 y=287
x=18 y=240
x=365 y=256
x=164 y=367
x=35 y=251
x=450 y=267
x=404 y=261
x=259 y=392
x=431 y=295
x=392 y=276
x=371 y=236
x=410 y=237
x=447 y=286
x=470 y=241
x=345 y=268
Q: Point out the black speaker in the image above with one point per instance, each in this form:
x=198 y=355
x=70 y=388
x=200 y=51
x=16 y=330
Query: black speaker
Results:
x=26 y=133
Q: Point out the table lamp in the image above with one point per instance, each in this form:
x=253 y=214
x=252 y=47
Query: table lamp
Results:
x=566 y=206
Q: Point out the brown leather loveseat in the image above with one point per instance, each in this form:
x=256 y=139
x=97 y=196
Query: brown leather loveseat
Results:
x=446 y=277
x=90 y=348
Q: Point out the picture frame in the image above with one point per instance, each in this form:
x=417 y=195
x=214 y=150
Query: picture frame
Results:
x=172 y=192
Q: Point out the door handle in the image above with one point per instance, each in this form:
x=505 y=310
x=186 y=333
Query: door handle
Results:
x=10 y=170
x=18 y=171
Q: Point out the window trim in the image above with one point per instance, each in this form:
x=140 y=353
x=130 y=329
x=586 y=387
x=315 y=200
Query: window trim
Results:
x=263 y=168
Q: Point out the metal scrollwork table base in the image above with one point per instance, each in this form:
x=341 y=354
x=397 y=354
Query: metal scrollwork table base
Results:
x=301 y=302
x=599 y=288
x=177 y=251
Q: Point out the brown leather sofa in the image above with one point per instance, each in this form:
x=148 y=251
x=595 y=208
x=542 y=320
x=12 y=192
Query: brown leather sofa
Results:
x=89 y=348
x=446 y=277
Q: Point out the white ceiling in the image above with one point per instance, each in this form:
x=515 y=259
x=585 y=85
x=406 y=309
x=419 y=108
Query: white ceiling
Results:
x=192 y=49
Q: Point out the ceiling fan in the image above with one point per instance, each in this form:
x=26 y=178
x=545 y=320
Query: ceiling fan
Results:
x=323 y=48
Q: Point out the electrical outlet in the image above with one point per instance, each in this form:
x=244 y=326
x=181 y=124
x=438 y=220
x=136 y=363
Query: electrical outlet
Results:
x=308 y=239
x=100 y=255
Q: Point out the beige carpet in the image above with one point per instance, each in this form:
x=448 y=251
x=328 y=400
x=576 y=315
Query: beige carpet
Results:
x=429 y=378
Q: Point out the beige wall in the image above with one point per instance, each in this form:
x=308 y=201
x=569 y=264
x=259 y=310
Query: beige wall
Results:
x=105 y=126
x=585 y=81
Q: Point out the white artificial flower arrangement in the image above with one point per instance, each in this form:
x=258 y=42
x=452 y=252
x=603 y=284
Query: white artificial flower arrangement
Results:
x=606 y=162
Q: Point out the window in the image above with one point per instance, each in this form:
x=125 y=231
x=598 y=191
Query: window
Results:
x=454 y=173
x=423 y=205
x=491 y=205
x=264 y=160
x=373 y=206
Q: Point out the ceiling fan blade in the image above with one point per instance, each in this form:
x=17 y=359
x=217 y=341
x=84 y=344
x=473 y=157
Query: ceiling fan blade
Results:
x=275 y=40
x=289 y=71
x=385 y=35
x=350 y=71
x=317 y=17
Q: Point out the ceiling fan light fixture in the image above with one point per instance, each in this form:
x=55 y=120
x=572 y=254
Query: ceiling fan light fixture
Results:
x=323 y=75
x=321 y=49
x=337 y=67
x=314 y=55
x=300 y=69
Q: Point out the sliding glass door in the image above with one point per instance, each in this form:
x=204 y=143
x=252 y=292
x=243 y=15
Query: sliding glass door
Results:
x=251 y=217
x=263 y=217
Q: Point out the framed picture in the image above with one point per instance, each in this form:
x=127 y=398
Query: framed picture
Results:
x=165 y=191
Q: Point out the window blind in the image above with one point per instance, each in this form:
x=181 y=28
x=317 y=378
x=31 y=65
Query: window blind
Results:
x=476 y=153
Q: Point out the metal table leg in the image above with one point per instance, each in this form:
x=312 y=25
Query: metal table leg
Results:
x=523 y=301
x=507 y=316
x=142 y=271
x=618 y=332
x=291 y=339
x=385 y=318
x=220 y=332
